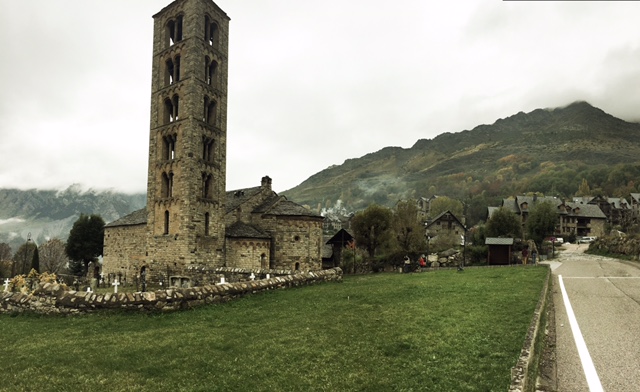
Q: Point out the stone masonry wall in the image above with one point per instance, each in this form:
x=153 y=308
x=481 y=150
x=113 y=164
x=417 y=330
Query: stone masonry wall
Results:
x=53 y=299
x=124 y=248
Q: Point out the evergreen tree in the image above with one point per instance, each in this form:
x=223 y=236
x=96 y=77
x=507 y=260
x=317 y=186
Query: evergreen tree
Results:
x=85 y=242
x=35 y=260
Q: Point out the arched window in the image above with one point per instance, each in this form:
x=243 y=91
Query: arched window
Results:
x=207 y=149
x=209 y=111
x=167 y=185
x=175 y=107
x=207 y=218
x=210 y=32
x=210 y=72
x=206 y=185
x=166 y=222
x=172 y=71
x=263 y=261
x=174 y=31
x=169 y=147
x=170 y=113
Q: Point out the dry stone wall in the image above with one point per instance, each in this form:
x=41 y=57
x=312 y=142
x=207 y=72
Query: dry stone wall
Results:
x=51 y=298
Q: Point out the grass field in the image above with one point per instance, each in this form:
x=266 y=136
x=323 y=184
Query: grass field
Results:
x=435 y=331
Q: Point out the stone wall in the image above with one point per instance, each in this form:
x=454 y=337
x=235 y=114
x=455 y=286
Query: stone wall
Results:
x=617 y=245
x=248 y=253
x=52 y=298
x=298 y=242
x=124 y=248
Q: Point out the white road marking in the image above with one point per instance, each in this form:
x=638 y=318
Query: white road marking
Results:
x=603 y=277
x=587 y=364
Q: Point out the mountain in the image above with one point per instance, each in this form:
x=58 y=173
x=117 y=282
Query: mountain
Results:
x=51 y=214
x=546 y=150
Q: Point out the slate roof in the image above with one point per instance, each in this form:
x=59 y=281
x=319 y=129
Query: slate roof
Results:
x=243 y=230
x=618 y=202
x=138 y=217
x=341 y=236
x=586 y=210
x=575 y=209
x=240 y=196
x=443 y=214
x=280 y=206
x=498 y=241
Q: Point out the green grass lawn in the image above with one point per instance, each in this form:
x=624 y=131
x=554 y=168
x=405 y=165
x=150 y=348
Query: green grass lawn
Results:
x=435 y=331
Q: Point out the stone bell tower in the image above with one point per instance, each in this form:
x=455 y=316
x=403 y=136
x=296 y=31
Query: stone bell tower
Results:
x=188 y=136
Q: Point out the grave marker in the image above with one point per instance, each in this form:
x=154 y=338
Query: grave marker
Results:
x=115 y=285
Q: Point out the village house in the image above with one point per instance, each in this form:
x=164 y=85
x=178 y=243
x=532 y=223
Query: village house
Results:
x=573 y=218
x=445 y=224
x=191 y=222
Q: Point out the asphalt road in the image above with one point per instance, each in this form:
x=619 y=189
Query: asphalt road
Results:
x=604 y=295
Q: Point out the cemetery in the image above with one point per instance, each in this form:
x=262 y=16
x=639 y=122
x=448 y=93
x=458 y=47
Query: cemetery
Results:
x=51 y=297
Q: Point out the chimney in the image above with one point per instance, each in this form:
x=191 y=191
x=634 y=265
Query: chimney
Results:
x=266 y=182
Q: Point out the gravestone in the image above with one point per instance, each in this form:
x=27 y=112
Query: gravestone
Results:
x=115 y=285
x=6 y=284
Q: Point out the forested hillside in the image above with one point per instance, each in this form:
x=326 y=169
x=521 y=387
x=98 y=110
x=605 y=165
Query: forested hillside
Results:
x=547 y=150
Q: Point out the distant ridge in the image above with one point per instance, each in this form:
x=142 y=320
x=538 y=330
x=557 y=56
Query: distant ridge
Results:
x=51 y=214
x=545 y=150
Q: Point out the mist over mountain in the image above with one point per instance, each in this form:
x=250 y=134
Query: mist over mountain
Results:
x=546 y=150
x=50 y=214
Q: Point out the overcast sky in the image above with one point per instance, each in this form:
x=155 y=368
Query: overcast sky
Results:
x=311 y=83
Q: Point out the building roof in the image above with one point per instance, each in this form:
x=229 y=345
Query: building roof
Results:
x=498 y=241
x=342 y=236
x=238 y=197
x=437 y=218
x=138 y=217
x=280 y=206
x=577 y=209
x=243 y=230
x=618 y=202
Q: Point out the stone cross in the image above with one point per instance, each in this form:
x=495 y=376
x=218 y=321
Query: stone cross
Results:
x=252 y=276
x=6 y=284
x=115 y=285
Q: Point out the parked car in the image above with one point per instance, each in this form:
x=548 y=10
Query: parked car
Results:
x=586 y=240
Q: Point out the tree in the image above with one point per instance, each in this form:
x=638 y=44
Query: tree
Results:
x=541 y=222
x=583 y=189
x=5 y=251
x=23 y=258
x=35 y=260
x=372 y=228
x=503 y=223
x=53 y=258
x=85 y=242
x=409 y=232
x=442 y=204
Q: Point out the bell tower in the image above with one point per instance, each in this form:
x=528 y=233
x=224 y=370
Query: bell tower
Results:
x=187 y=139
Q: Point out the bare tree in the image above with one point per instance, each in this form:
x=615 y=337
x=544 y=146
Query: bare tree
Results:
x=53 y=257
x=5 y=251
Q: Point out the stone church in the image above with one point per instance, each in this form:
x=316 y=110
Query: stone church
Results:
x=190 y=221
